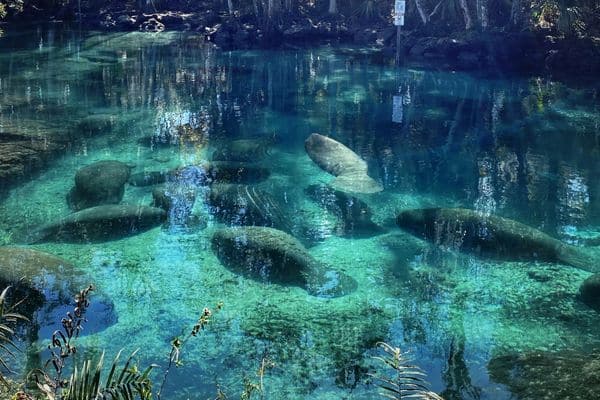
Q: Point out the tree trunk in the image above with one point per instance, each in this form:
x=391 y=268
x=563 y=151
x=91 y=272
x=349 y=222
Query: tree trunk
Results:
x=482 y=13
x=467 y=15
x=516 y=14
x=230 y=6
x=333 y=7
x=421 y=11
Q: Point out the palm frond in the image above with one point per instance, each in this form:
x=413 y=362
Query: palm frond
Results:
x=123 y=383
x=408 y=381
x=7 y=321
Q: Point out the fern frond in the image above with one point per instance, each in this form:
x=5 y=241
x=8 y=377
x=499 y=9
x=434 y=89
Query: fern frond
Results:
x=7 y=320
x=124 y=383
x=408 y=382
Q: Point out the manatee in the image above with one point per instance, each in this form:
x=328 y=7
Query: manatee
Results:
x=354 y=213
x=102 y=182
x=243 y=150
x=228 y=172
x=246 y=205
x=492 y=236
x=148 y=178
x=271 y=255
x=590 y=292
x=49 y=283
x=350 y=170
x=32 y=273
x=100 y=224
x=177 y=200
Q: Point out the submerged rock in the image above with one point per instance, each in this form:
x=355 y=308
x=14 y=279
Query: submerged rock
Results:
x=271 y=255
x=100 y=224
x=590 y=292
x=350 y=170
x=546 y=375
x=246 y=205
x=229 y=172
x=491 y=235
x=102 y=182
x=354 y=213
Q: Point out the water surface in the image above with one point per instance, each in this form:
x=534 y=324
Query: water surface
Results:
x=523 y=148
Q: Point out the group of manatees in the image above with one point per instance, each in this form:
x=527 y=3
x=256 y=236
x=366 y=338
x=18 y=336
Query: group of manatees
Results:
x=259 y=242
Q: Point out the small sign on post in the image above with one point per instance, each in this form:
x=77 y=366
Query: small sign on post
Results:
x=399 y=10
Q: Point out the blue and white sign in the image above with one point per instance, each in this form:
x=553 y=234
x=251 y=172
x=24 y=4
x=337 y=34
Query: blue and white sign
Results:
x=399 y=10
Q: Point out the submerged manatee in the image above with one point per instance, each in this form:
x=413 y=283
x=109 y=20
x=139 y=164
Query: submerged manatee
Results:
x=271 y=255
x=243 y=150
x=229 y=172
x=178 y=195
x=100 y=224
x=148 y=178
x=48 y=285
x=102 y=182
x=491 y=235
x=590 y=292
x=350 y=170
x=246 y=205
x=354 y=213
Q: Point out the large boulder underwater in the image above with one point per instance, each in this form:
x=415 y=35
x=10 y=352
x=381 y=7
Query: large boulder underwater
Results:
x=100 y=224
x=271 y=255
x=102 y=182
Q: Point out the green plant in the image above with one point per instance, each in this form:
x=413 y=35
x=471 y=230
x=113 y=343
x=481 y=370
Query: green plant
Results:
x=407 y=382
x=8 y=320
x=85 y=382
x=127 y=383
x=177 y=344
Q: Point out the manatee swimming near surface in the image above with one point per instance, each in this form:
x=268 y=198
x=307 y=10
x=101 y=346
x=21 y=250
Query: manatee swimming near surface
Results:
x=247 y=205
x=102 y=182
x=354 y=213
x=271 y=255
x=100 y=224
x=350 y=170
x=491 y=235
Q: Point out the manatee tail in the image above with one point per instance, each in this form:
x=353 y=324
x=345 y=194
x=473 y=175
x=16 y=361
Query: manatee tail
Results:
x=583 y=258
x=324 y=282
x=356 y=183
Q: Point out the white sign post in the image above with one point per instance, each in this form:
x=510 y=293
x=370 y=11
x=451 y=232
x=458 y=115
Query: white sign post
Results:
x=399 y=10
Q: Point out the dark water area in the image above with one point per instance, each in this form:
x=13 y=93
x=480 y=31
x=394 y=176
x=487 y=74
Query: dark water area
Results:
x=187 y=122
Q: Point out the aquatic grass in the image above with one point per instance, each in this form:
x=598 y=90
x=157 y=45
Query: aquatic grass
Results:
x=409 y=381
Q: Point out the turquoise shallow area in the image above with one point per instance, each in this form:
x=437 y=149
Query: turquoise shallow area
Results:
x=523 y=148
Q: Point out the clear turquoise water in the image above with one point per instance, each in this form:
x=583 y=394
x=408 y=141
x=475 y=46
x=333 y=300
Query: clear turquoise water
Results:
x=523 y=148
